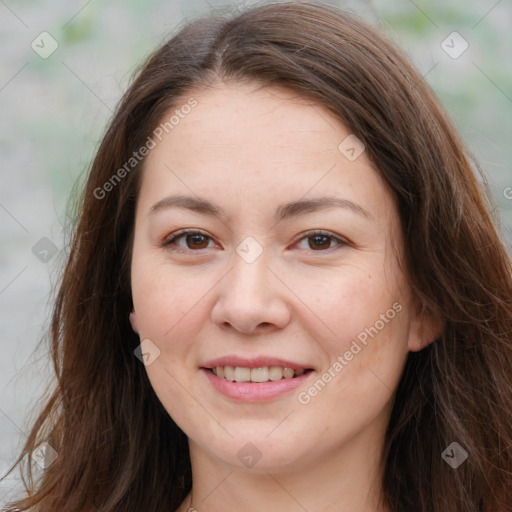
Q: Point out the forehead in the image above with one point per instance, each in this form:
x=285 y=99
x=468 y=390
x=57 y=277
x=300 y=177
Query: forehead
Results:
x=245 y=115
x=259 y=143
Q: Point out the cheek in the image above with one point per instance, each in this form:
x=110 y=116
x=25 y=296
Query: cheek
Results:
x=364 y=330
x=170 y=312
x=350 y=301
x=166 y=301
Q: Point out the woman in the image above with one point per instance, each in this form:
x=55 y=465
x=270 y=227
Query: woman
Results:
x=284 y=291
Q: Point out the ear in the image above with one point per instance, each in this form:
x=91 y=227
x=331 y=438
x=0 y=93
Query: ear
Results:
x=425 y=328
x=133 y=321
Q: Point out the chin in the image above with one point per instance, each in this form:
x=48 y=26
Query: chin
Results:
x=258 y=453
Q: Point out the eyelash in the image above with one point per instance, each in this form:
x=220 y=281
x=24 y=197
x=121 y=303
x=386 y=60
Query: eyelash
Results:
x=310 y=234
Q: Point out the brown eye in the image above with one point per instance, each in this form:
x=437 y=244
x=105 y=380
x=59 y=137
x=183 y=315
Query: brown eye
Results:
x=194 y=240
x=319 y=241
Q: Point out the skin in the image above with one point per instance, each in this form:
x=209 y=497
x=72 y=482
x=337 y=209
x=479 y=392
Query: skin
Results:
x=249 y=149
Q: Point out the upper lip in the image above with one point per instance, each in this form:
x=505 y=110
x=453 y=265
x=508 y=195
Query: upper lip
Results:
x=257 y=362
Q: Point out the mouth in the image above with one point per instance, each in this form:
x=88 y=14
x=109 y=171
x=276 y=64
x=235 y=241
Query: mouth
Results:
x=257 y=379
x=257 y=375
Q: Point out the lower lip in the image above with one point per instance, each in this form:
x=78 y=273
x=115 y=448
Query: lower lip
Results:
x=255 y=391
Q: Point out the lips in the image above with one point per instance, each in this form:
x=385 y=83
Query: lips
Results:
x=258 y=362
x=257 y=379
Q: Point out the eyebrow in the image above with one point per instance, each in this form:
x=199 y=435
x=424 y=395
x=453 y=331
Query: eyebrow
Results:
x=283 y=211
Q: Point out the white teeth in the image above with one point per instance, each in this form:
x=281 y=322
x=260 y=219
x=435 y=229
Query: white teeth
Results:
x=259 y=374
x=275 y=373
x=229 y=373
x=242 y=374
x=262 y=374
x=288 y=373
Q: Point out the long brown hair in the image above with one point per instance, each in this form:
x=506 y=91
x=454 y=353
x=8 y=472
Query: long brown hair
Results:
x=118 y=449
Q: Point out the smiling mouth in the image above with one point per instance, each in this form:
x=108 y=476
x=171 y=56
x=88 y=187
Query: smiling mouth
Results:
x=256 y=375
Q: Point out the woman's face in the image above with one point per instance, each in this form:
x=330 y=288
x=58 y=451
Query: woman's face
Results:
x=254 y=174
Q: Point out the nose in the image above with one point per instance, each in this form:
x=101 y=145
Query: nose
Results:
x=251 y=300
